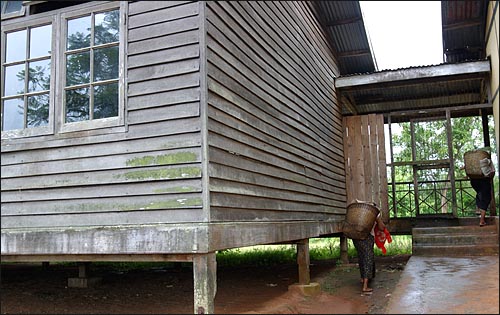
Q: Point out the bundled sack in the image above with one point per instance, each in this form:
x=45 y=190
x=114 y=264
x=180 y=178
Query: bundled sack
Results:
x=487 y=167
x=478 y=164
x=381 y=236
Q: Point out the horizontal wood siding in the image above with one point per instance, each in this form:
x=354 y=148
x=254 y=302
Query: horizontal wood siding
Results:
x=148 y=171
x=275 y=127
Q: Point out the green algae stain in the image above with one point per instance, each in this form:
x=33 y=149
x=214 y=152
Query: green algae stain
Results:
x=181 y=172
x=176 y=189
x=164 y=159
x=167 y=204
x=175 y=203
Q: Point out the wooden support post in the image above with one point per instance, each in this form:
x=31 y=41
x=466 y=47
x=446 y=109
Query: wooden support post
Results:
x=303 y=261
x=83 y=269
x=344 y=256
x=493 y=206
x=205 y=282
x=83 y=280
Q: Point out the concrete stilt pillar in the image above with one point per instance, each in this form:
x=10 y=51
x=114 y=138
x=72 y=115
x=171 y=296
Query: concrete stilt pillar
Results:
x=205 y=282
x=83 y=280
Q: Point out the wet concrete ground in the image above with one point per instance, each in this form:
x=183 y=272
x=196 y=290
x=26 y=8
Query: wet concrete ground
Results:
x=447 y=285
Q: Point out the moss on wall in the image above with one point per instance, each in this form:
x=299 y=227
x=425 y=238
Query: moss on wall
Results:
x=164 y=159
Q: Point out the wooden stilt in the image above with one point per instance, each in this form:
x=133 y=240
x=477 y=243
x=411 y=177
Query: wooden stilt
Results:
x=83 y=269
x=205 y=282
x=344 y=256
x=84 y=280
x=303 y=261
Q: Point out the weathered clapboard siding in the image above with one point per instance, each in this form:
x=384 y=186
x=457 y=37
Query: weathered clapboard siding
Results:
x=98 y=148
x=146 y=172
x=275 y=130
x=123 y=161
x=224 y=30
x=136 y=188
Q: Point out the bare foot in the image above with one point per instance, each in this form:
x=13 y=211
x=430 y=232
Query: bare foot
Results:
x=482 y=218
x=367 y=291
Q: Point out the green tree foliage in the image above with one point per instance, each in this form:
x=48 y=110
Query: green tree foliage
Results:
x=430 y=139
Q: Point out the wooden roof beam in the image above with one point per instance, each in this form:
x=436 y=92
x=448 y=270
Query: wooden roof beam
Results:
x=355 y=19
x=354 y=53
x=421 y=103
x=347 y=102
x=462 y=24
x=400 y=75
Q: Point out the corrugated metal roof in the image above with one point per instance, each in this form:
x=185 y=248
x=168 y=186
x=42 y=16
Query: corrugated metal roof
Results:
x=463 y=27
x=343 y=23
x=435 y=92
x=463 y=40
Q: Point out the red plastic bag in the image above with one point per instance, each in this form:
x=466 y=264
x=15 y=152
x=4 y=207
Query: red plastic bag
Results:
x=381 y=236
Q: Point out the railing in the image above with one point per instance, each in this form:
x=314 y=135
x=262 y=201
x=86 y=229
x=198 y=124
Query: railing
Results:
x=434 y=197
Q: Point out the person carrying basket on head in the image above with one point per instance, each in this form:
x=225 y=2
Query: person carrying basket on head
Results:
x=482 y=183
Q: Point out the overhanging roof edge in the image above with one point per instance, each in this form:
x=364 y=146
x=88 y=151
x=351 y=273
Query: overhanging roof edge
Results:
x=386 y=76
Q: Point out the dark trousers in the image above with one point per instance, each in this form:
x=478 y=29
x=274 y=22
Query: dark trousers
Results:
x=482 y=187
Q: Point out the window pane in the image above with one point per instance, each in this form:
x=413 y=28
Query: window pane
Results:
x=41 y=41
x=106 y=101
x=106 y=63
x=107 y=27
x=39 y=76
x=78 y=33
x=78 y=69
x=38 y=110
x=16 y=46
x=14 y=80
x=77 y=105
x=13 y=114
x=11 y=6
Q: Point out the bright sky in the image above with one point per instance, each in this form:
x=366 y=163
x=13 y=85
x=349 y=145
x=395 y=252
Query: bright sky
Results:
x=404 y=33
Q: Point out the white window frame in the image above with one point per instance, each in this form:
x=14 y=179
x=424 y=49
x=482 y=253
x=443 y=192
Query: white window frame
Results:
x=57 y=113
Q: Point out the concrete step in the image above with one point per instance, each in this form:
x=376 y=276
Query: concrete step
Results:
x=468 y=240
x=455 y=250
x=454 y=229
x=456 y=239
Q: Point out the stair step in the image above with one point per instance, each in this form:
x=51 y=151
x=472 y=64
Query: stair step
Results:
x=455 y=250
x=454 y=229
x=452 y=239
x=463 y=240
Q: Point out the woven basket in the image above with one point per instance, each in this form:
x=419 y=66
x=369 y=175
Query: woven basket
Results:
x=472 y=166
x=359 y=220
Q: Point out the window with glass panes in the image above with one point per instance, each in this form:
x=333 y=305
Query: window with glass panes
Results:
x=91 y=60
x=82 y=64
x=27 y=75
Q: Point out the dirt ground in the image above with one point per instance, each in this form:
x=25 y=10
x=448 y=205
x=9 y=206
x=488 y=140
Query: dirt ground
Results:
x=29 y=289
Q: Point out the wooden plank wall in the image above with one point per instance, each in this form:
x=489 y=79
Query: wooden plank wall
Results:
x=366 y=171
x=150 y=173
x=275 y=127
